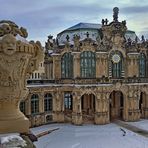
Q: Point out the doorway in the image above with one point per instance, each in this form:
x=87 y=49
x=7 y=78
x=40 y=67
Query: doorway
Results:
x=88 y=107
x=116 y=105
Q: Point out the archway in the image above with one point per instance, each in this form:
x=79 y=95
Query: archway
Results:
x=88 y=107
x=142 y=104
x=116 y=105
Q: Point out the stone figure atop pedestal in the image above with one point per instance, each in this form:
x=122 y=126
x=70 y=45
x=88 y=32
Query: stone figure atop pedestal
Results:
x=115 y=14
x=18 y=59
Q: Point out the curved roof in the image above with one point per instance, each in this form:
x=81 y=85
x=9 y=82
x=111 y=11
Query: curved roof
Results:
x=82 y=26
x=87 y=26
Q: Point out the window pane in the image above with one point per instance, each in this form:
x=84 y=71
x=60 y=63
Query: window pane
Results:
x=68 y=101
x=88 y=64
x=34 y=104
x=67 y=66
x=48 y=102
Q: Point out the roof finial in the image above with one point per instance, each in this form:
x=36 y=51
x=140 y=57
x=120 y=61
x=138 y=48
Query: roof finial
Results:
x=87 y=34
x=67 y=38
x=115 y=14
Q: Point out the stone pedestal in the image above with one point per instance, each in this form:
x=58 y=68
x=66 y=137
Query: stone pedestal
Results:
x=58 y=116
x=101 y=118
x=18 y=59
x=134 y=115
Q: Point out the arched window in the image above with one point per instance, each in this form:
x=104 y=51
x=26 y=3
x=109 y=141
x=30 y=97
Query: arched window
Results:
x=34 y=104
x=68 y=101
x=22 y=106
x=142 y=65
x=47 y=102
x=67 y=65
x=116 y=65
x=88 y=64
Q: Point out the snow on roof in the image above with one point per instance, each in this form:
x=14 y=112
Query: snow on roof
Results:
x=137 y=84
x=76 y=85
x=85 y=25
x=89 y=26
x=50 y=51
x=133 y=53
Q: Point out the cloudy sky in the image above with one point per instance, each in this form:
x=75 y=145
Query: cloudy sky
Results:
x=44 y=17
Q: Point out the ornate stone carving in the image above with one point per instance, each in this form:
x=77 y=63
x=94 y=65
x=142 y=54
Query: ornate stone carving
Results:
x=18 y=59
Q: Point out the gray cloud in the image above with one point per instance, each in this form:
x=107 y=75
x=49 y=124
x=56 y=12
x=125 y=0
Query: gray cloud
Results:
x=42 y=18
x=135 y=9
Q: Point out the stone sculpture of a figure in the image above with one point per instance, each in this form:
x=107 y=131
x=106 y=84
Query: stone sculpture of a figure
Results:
x=115 y=13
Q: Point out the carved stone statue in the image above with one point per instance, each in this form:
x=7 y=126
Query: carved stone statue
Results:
x=18 y=59
x=115 y=13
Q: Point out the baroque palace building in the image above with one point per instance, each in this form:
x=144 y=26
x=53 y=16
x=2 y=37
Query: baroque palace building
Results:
x=93 y=74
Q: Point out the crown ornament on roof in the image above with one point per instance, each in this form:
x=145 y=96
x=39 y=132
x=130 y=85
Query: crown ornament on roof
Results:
x=115 y=14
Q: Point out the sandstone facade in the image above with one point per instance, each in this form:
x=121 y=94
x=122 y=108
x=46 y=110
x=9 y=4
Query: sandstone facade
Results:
x=92 y=81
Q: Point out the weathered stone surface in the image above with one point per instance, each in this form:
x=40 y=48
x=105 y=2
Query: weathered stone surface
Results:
x=18 y=59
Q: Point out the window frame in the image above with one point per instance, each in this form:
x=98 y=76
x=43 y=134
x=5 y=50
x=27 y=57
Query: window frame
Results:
x=88 y=64
x=48 y=106
x=34 y=104
x=67 y=65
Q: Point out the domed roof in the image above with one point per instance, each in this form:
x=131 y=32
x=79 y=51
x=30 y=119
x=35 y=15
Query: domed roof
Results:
x=82 y=28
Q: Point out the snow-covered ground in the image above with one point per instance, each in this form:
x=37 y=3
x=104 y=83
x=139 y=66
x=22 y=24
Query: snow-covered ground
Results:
x=143 y=124
x=40 y=129
x=88 y=136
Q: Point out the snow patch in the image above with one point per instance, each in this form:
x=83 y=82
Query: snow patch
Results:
x=12 y=140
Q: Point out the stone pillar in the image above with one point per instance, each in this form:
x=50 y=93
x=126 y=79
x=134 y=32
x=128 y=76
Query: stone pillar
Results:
x=101 y=63
x=58 y=115
x=56 y=66
x=77 y=111
x=18 y=59
x=132 y=67
x=133 y=105
x=28 y=105
x=76 y=56
x=41 y=102
x=125 y=107
x=102 y=109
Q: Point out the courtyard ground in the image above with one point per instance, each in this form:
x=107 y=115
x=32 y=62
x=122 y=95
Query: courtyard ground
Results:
x=90 y=136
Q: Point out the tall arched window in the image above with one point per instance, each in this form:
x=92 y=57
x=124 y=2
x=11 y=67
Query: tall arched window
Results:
x=142 y=65
x=68 y=101
x=88 y=64
x=34 y=104
x=116 y=65
x=67 y=65
x=47 y=102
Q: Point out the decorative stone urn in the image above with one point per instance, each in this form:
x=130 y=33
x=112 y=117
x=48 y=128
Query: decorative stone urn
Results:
x=18 y=59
